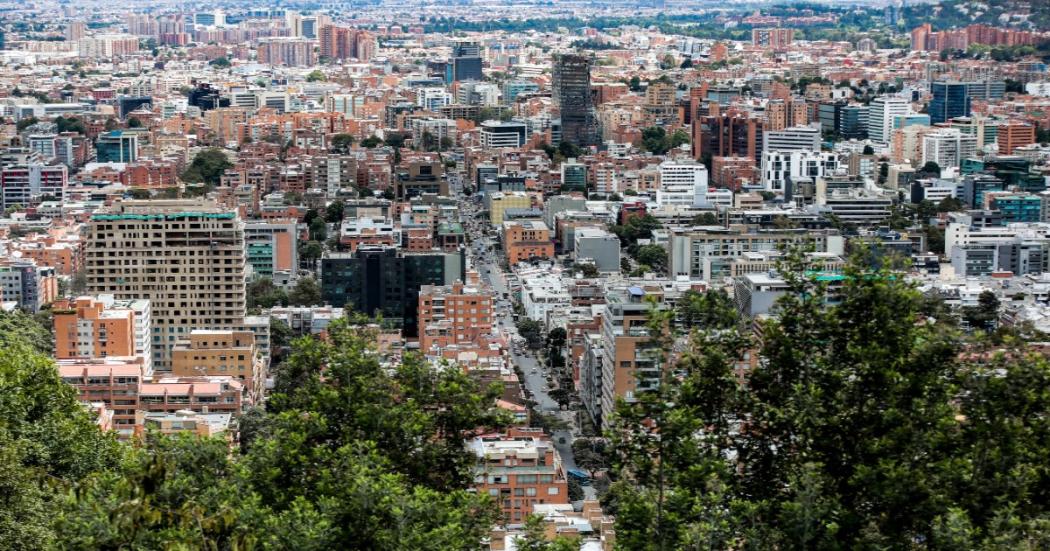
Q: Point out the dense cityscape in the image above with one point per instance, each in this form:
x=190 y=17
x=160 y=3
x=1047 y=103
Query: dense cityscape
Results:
x=525 y=276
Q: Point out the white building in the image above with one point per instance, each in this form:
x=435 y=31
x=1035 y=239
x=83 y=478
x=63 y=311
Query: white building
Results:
x=798 y=138
x=497 y=134
x=682 y=183
x=880 y=116
x=948 y=147
x=781 y=167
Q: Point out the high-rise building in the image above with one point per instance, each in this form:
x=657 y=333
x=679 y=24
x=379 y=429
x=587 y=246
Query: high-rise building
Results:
x=948 y=147
x=185 y=256
x=881 y=114
x=292 y=52
x=950 y=99
x=28 y=184
x=466 y=62
x=798 y=138
x=572 y=95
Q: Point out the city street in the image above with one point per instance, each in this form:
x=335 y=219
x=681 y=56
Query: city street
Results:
x=533 y=370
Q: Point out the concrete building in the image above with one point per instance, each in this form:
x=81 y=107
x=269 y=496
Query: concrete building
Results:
x=27 y=184
x=598 y=245
x=947 y=147
x=881 y=113
x=187 y=257
x=498 y=134
x=797 y=138
x=571 y=88
x=705 y=253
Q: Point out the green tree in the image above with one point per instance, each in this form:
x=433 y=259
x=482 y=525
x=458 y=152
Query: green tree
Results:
x=654 y=256
x=588 y=270
x=985 y=315
x=534 y=538
x=207 y=167
x=262 y=293
x=531 y=331
x=307 y=292
x=371 y=142
x=25 y=123
x=334 y=212
x=342 y=142
x=708 y=310
x=318 y=229
x=315 y=76
x=220 y=62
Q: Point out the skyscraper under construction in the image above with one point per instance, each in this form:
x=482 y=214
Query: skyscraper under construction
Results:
x=572 y=95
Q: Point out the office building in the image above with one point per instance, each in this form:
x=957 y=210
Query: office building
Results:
x=682 y=184
x=882 y=111
x=514 y=88
x=497 y=134
x=598 y=246
x=1014 y=134
x=572 y=95
x=798 y=138
x=386 y=281
x=783 y=171
x=951 y=99
x=272 y=249
x=185 y=256
x=466 y=62
x=706 y=253
x=117 y=147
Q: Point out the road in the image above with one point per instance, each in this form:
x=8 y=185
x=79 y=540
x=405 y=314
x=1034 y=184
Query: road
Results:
x=533 y=370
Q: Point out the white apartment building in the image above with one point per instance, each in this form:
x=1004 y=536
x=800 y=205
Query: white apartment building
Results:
x=781 y=167
x=948 y=147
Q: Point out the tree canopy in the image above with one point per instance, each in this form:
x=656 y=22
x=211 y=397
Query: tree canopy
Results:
x=861 y=428
x=347 y=455
x=207 y=167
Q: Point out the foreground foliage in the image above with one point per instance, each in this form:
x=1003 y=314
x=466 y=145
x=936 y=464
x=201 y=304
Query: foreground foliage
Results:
x=348 y=455
x=863 y=427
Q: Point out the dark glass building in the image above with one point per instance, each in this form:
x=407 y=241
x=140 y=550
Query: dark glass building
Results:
x=385 y=280
x=466 y=62
x=950 y=100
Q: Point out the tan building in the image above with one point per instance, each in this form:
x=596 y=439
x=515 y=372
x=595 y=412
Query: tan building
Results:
x=527 y=239
x=185 y=256
x=1014 y=134
x=499 y=202
x=219 y=353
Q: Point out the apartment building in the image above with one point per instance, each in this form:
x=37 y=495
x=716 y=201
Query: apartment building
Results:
x=631 y=360
x=86 y=327
x=221 y=353
x=527 y=239
x=187 y=257
x=27 y=285
x=519 y=469
x=453 y=315
x=113 y=381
